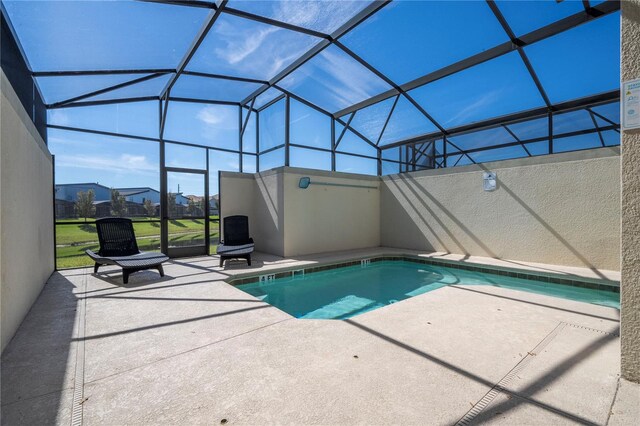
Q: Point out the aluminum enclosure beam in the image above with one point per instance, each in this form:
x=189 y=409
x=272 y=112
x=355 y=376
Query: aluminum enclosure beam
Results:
x=101 y=72
x=202 y=34
x=105 y=90
x=550 y=30
x=602 y=98
x=323 y=44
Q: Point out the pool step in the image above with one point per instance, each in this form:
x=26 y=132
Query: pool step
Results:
x=342 y=307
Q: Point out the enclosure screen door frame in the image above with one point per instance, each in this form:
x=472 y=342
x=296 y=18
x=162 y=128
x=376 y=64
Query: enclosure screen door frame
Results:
x=196 y=250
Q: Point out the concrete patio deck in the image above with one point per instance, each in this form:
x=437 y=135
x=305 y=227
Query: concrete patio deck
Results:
x=190 y=349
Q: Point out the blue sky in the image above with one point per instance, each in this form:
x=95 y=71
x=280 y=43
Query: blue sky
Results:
x=404 y=40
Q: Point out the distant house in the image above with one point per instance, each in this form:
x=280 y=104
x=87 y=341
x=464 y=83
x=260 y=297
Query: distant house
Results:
x=67 y=195
x=141 y=194
x=69 y=191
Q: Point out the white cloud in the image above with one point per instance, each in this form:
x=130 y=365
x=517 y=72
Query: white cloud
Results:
x=371 y=120
x=238 y=49
x=253 y=49
x=218 y=117
x=338 y=77
x=125 y=163
x=300 y=118
x=483 y=102
x=324 y=15
x=210 y=115
x=220 y=124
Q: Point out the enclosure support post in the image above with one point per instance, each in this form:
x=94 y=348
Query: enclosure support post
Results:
x=444 y=151
x=550 y=132
x=240 y=134
x=207 y=212
x=287 y=129
x=164 y=238
x=257 y=141
x=333 y=144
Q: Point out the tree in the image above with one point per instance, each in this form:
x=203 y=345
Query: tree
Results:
x=171 y=205
x=84 y=204
x=149 y=208
x=118 y=204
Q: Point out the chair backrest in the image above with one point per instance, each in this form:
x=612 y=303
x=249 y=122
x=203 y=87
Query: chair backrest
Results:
x=116 y=237
x=236 y=230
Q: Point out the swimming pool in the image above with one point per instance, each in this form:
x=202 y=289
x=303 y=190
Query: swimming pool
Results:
x=348 y=291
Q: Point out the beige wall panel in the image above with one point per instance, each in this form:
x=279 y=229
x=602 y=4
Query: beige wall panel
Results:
x=630 y=284
x=258 y=197
x=330 y=218
x=26 y=213
x=561 y=209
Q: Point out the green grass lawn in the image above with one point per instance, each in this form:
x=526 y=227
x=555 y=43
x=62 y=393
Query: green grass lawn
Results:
x=81 y=233
x=73 y=239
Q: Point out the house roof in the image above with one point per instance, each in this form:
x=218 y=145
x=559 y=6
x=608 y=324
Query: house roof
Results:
x=140 y=189
x=129 y=192
x=81 y=184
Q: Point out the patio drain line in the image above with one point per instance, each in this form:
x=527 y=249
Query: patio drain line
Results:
x=504 y=382
x=595 y=330
x=78 y=382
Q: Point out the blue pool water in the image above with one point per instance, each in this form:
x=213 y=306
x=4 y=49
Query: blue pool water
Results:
x=344 y=292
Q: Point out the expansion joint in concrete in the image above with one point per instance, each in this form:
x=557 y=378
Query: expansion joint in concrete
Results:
x=78 y=382
x=186 y=352
x=613 y=401
x=595 y=330
x=508 y=378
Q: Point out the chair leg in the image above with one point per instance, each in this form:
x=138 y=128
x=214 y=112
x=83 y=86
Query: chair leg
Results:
x=125 y=276
x=161 y=270
x=95 y=268
x=221 y=261
x=249 y=259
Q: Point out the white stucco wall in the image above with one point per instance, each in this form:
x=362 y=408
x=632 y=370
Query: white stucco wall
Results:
x=330 y=218
x=287 y=221
x=26 y=213
x=560 y=209
x=630 y=283
x=258 y=196
x=269 y=212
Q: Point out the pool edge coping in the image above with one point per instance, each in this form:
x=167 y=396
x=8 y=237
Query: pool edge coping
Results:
x=550 y=277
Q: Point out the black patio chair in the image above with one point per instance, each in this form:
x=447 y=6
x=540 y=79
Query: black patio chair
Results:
x=236 y=243
x=118 y=246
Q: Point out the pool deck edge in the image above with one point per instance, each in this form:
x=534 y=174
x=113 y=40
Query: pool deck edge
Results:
x=578 y=277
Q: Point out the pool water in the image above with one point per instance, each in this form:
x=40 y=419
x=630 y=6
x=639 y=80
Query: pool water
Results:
x=344 y=292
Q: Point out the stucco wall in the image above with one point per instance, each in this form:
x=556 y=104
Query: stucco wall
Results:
x=330 y=218
x=26 y=227
x=287 y=221
x=561 y=209
x=258 y=196
x=630 y=284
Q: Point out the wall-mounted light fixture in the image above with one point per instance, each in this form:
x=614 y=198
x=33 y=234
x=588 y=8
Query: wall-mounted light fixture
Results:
x=306 y=181
x=489 y=182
